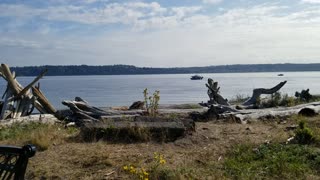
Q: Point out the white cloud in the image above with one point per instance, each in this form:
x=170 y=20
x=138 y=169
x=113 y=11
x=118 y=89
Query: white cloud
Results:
x=139 y=15
x=15 y=42
x=212 y=1
x=181 y=36
x=311 y=1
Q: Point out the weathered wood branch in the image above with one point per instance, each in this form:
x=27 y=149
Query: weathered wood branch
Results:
x=43 y=101
x=7 y=106
x=19 y=101
x=258 y=92
x=220 y=112
x=77 y=106
x=10 y=79
x=24 y=91
x=214 y=94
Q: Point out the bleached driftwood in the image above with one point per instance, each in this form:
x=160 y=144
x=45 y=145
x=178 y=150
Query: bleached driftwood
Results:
x=82 y=110
x=228 y=112
x=41 y=98
x=258 y=92
x=216 y=98
x=20 y=101
x=214 y=93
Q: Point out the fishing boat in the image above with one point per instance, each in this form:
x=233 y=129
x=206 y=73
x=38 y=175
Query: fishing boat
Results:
x=196 y=77
x=280 y=74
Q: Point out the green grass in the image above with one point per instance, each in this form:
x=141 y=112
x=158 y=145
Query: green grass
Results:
x=39 y=134
x=272 y=161
x=239 y=99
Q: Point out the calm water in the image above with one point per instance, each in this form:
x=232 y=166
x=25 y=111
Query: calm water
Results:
x=122 y=90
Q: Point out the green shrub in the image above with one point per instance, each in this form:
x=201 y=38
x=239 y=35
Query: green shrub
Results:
x=303 y=134
x=151 y=102
x=277 y=99
x=239 y=99
x=287 y=101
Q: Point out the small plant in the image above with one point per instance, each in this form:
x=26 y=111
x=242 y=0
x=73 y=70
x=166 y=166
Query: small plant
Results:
x=151 y=102
x=239 y=99
x=304 y=135
x=140 y=173
x=288 y=101
x=156 y=170
x=158 y=158
x=278 y=99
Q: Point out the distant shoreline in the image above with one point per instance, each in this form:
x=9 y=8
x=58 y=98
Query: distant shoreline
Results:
x=81 y=70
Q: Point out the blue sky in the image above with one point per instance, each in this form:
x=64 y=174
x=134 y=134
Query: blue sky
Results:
x=159 y=33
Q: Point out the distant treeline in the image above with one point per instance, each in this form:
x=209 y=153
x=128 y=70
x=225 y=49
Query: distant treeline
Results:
x=127 y=69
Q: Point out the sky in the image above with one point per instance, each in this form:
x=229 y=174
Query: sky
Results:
x=163 y=33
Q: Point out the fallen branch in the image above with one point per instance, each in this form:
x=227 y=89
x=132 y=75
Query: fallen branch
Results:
x=258 y=92
x=219 y=112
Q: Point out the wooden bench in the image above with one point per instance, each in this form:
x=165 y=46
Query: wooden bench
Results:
x=14 y=161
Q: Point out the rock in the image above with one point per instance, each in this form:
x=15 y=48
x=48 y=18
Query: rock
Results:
x=137 y=105
x=291 y=128
x=308 y=111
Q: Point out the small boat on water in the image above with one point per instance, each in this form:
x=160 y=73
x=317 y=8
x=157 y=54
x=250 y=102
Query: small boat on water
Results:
x=280 y=74
x=196 y=77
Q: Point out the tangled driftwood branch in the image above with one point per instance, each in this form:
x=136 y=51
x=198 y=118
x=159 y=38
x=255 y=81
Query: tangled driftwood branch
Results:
x=20 y=101
x=214 y=93
x=216 y=97
x=258 y=92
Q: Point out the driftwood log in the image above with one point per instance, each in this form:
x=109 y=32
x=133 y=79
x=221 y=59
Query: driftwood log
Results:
x=214 y=93
x=220 y=112
x=19 y=101
x=258 y=92
x=82 y=112
x=216 y=98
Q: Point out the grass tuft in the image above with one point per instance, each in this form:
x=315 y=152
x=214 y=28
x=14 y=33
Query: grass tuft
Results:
x=39 y=134
x=272 y=161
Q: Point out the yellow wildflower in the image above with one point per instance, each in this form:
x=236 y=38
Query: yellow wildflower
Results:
x=133 y=171
x=162 y=161
x=125 y=168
